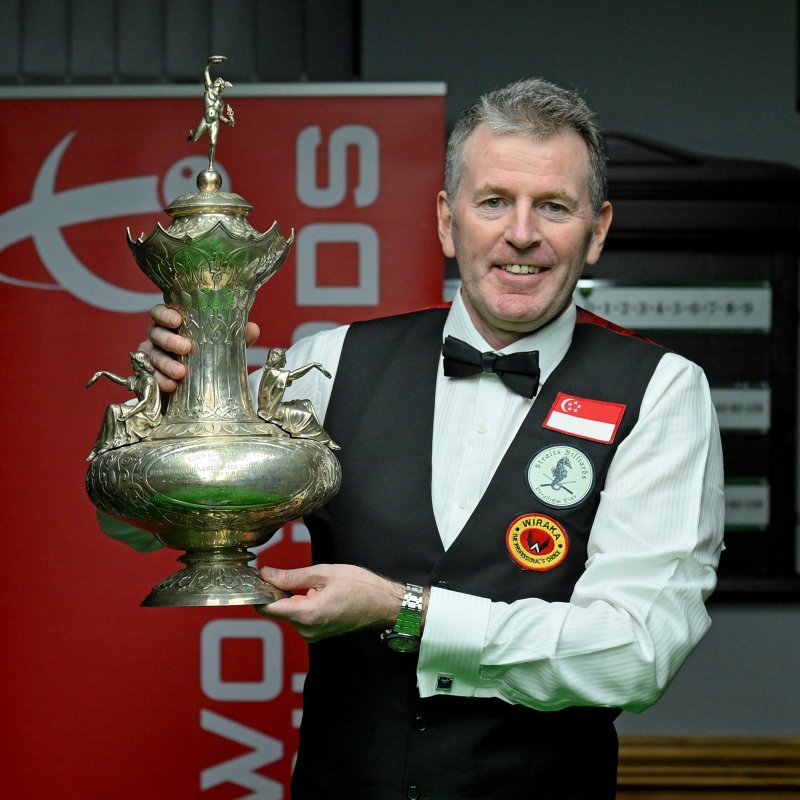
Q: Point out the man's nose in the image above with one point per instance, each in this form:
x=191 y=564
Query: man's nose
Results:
x=523 y=231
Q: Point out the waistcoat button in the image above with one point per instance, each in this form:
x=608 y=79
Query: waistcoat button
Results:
x=420 y=723
x=413 y=793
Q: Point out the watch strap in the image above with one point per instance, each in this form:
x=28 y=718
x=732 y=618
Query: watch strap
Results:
x=409 y=620
x=408 y=625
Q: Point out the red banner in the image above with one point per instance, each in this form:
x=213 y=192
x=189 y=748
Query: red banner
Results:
x=103 y=698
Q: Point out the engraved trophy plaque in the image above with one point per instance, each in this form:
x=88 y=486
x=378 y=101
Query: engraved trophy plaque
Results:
x=212 y=475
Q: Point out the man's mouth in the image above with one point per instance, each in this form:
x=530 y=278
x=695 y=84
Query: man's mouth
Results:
x=520 y=269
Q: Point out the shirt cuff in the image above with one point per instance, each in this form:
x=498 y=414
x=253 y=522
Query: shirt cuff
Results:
x=452 y=643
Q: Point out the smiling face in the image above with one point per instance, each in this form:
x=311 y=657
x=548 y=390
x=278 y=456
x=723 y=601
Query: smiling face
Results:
x=521 y=228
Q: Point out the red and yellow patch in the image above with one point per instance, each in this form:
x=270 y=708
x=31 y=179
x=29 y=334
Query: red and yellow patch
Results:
x=537 y=542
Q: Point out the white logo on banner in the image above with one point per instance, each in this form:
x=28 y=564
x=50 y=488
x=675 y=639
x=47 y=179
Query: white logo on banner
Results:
x=49 y=211
x=366 y=143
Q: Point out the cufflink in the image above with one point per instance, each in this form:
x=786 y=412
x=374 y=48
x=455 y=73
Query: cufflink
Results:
x=444 y=682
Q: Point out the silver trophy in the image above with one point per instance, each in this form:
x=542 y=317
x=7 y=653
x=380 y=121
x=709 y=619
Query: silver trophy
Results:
x=212 y=475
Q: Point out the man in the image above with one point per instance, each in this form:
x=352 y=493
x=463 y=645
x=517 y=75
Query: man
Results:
x=555 y=541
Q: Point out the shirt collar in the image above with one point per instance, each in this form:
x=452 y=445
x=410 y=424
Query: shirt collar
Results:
x=552 y=341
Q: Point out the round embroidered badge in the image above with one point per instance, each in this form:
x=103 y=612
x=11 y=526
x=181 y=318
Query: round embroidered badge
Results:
x=560 y=476
x=537 y=542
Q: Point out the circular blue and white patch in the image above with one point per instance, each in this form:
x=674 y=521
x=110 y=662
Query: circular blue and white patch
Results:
x=560 y=476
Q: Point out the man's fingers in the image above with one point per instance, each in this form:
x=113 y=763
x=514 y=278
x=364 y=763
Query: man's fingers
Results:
x=266 y=609
x=291 y=579
x=285 y=607
x=166 y=316
x=163 y=362
x=333 y=599
x=163 y=344
x=169 y=341
x=167 y=370
x=166 y=384
x=168 y=320
x=251 y=333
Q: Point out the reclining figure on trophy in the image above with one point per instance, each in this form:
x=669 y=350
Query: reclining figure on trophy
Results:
x=296 y=417
x=125 y=423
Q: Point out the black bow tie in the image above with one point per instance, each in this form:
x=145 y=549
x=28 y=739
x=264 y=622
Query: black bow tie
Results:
x=518 y=371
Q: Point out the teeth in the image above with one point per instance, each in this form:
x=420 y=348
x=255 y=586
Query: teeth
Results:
x=521 y=269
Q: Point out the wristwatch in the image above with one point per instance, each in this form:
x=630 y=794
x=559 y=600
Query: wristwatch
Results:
x=406 y=634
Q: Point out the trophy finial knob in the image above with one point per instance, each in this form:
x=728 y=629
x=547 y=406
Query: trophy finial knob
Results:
x=209 y=181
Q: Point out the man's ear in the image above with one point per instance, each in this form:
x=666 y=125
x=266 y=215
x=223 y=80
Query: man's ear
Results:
x=445 y=226
x=599 y=233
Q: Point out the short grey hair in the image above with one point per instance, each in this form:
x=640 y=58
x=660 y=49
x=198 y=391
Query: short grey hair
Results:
x=533 y=108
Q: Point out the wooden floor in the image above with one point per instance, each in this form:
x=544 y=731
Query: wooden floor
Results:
x=708 y=768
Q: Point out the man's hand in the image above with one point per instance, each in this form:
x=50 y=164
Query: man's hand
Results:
x=332 y=599
x=163 y=343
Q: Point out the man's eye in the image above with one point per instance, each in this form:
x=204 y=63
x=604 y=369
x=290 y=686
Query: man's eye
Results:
x=556 y=208
x=493 y=202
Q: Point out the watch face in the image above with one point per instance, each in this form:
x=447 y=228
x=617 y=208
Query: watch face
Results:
x=403 y=643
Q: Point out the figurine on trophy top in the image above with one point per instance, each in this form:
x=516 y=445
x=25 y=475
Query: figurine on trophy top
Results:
x=212 y=116
x=196 y=211
x=211 y=474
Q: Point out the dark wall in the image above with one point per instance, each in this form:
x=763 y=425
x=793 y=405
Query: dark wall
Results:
x=718 y=77
x=151 y=41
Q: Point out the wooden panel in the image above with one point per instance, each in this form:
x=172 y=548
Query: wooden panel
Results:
x=712 y=768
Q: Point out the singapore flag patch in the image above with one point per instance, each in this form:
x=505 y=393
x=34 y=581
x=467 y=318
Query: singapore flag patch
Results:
x=595 y=420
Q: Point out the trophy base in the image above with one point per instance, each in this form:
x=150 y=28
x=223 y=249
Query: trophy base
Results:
x=214 y=578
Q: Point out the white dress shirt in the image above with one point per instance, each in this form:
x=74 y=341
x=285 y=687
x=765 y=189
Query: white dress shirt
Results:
x=638 y=609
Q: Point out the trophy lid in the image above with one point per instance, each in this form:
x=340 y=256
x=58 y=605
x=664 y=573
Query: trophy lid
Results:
x=208 y=199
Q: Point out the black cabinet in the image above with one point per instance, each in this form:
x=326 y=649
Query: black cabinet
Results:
x=703 y=257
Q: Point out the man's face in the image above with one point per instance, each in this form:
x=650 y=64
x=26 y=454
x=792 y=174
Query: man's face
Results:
x=521 y=229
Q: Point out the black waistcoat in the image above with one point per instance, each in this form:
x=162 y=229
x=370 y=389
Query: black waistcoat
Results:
x=366 y=734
